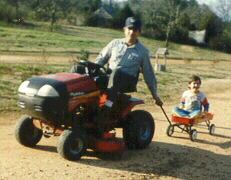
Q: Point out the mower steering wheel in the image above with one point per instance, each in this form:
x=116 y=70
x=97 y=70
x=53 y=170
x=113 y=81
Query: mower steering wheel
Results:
x=93 y=68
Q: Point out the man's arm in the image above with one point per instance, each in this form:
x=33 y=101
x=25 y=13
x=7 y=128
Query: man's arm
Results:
x=150 y=78
x=105 y=54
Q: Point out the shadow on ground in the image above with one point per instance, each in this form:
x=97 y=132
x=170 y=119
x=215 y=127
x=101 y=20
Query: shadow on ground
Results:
x=162 y=159
x=165 y=159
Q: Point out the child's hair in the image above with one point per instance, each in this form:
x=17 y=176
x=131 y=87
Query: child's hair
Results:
x=195 y=78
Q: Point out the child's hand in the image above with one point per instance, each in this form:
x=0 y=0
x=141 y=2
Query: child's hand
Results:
x=181 y=106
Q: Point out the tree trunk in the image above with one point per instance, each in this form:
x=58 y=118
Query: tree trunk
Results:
x=167 y=35
x=53 y=19
x=171 y=24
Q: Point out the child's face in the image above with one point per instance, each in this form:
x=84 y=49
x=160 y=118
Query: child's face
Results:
x=194 y=86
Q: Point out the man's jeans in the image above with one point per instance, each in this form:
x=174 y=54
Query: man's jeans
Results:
x=120 y=82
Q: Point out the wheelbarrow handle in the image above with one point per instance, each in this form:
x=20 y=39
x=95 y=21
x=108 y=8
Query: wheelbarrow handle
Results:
x=165 y=114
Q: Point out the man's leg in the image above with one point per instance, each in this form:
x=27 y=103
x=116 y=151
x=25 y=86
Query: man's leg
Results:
x=119 y=82
x=104 y=113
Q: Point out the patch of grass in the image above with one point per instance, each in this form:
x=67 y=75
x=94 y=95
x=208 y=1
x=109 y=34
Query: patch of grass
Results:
x=4 y=35
x=80 y=38
x=5 y=69
x=29 y=36
x=19 y=45
x=67 y=39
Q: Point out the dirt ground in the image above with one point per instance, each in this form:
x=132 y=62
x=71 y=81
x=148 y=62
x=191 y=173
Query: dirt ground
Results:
x=176 y=157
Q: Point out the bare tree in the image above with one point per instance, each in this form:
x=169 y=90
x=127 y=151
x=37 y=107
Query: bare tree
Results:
x=163 y=16
x=224 y=9
x=173 y=9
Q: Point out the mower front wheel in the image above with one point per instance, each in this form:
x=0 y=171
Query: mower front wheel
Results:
x=72 y=144
x=138 y=129
x=26 y=133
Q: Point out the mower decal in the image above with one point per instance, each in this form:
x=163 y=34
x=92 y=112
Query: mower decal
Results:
x=86 y=98
x=74 y=94
x=86 y=95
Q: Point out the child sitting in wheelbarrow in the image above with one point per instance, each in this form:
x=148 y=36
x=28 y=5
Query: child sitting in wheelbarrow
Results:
x=193 y=109
x=193 y=101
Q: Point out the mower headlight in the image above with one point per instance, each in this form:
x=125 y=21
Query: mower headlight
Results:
x=23 y=87
x=47 y=91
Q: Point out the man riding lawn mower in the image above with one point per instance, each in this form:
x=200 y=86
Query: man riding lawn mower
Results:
x=83 y=107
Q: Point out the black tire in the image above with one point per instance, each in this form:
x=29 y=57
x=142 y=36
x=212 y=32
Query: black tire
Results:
x=26 y=133
x=72 y=144
x=138 y=130
x=212 y=129
x=193 y=135
x=170 y=130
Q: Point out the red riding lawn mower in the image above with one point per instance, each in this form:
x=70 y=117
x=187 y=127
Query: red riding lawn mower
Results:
x=66 y=104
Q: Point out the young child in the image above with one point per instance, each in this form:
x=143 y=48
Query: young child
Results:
x=193 y=101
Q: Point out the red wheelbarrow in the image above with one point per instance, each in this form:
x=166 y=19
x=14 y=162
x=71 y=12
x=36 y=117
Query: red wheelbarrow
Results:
x=186 y=124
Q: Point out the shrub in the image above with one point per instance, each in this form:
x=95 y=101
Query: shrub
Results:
x=7 y=12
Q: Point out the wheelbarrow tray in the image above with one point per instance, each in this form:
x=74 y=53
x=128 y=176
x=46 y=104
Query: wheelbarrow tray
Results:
x=191 y=121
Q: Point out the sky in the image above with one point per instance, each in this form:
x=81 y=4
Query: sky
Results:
x=211 y=3
x=206 y=1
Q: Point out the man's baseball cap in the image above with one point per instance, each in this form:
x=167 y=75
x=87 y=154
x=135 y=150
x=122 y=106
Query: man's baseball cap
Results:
x=132 y=22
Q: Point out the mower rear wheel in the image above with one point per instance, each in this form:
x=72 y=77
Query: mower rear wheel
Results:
x=72 y=144
x=26 y=133
x=139 y=129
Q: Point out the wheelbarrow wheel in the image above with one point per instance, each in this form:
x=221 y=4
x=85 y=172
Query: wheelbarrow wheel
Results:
x=170 y=130
x=193 y=135
x=212 y=129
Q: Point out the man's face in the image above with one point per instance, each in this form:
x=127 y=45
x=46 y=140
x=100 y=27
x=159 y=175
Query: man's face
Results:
x=131 y=34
